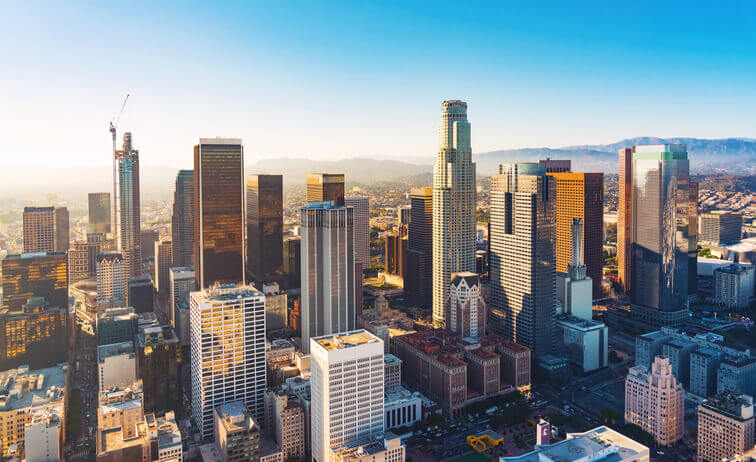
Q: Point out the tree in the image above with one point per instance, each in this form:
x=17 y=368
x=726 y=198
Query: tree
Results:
x=611 y=416
x=614 y=357
x=638 y=434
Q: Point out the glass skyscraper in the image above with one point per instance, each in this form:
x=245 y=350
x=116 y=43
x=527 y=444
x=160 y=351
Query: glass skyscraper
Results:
x=264 y=227
x=128 y=212
x=182 y=219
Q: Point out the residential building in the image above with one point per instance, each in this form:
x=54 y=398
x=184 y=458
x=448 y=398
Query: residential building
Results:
x=141 y=294
x=158 y=354
x=117 y=365
x=325 y=187
x=721 y=227
x=39 y=274
x=382 y=448
x=46 y=229
x=237 y=436
x=466 y=310
x=128 y=208
x=116 y=325
x=264 y=227
x=361 y=226
x=163 y=263
x=43 y=434
x=111 y=279
x=454 y=198
x=98 y=220
x=183 y=283
x=725 y=427
x=521 y=260
x=182 y=219
x=227 y=341
x=36 y=336
x=734 y=286
x=219 y=212
x=655 y=401
x=584 y=341
x=418 y=281
x=351 y=362
x=328 y=292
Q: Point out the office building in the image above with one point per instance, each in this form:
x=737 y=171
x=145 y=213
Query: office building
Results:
x=574 y=288
x=584 y=341
x=163 y=262
x=521 y=260
x=98 y=219
x=182 y=284
x=704 y=364
x=581 y=196
x=78 y=262
x=397 y=246
x=43 y=434
x=454 y=197
x=721 y=227
x=158 y=354
x=148 y=239
x=734 y=286
x=556 y=165
x=287 y=423
x=625 y=218
x=404 y=215
x=62 y=230
x=292 y=259
x=392 y=370
x=182 y=219
x=515 y=364
x=97 y=243
x=219 y=212
x=655 y=401
x=111 y=279
x=678 y=351
x=39 y=274
x=418 y=281
x=231 y=319
x=328 y=291
x=27 y=392
x=35 y=336
x=325 y=187
x=725 y=427
x=140 y=294
x=46 y=229
x=361 y=217
x=237 y=436
x=353 y=362
x=737 y=374
x=116 y=325
x=116 y=364
x=388 y=448
x=264 y=227
x=128 y=208
x=466 y=310
x=276 y=304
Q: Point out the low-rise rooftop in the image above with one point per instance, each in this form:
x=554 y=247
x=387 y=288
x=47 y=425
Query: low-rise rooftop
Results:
x=346 y=340
x=21 y=388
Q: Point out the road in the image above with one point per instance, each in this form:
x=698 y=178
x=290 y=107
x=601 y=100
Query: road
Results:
x=85 y=379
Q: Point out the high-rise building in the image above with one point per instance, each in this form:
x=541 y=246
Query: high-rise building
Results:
x=625 y=218
x=404 y=214
x=140 y=293
x=397 y=246
x=183 y=283
x=97 y=243
x=655 y=401
x=287 y=423
x=43 y=434
x=264 y=227
x=361 y=206
x=158 y=356
x=352 y=363
x=556 y=165
x=276 y=303
x=46 y=229
x=99 y=213
x=522 y=261
x=182 y=219
x=39 y=274
x=454 y=195
x=418 y=283
x=62 y=230
x=325 y=187
x=725 y=427
x=35 y=336
x=227 y=342
x=328 y=304
x=78 y=262
x=466 y=311
x=219 y=211
x=111 y=279
x=734 y=286
x=237 y=434
x=292 y=260
x=116 y=365
x=574 y=287
x=149 y=237
x=163 y=262
x=721 y=226
x=116 y=325
x=128 y=208
x=581 y=195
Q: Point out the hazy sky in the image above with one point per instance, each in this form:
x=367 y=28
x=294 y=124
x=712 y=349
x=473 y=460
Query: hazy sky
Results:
x=329 y=80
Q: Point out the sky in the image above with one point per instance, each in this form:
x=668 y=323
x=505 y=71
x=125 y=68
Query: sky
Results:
x=333 y=80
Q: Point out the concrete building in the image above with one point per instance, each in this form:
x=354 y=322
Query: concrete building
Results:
x=466 y=310
x=276 y=304
x=454 y=198
x=117 y=365
x=43 y=435
x=128 y=208
x=678 y=351
x=119 y=412
x=264 y=227
x=287 y=423
x=163 y=263
x=78 y=261
x=574 y=287
x=704 y=363
x=734 y=286
x=140 y=294
x=515 y=364
x=361 y=206
x=111 y=279
x=737 y=374
x=655 y=401
x=393 y=370
x=328 y=263
x=40 y=274
x=45 y=229
x=383 y=448
x=720 y=227
x=403 y=408
x=352 y=362
x=522 y=259
x=325 y=187
x=227 y=335
x=158 y=354
x=183 y=283
x=418 y=282
x=725 y=427
x=237 y=436
x=585 y=342
x=116 y=325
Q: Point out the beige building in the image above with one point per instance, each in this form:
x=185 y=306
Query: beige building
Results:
x=286 y=421
x=121 y=409
x=725 y=427
x=377 y=450
x=655 y=401
x=155 y=440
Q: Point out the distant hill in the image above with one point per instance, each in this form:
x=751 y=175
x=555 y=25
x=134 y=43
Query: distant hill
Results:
x=586 y=160
x=358 y=170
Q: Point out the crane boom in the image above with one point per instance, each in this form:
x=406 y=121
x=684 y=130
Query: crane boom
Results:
x=114 y=200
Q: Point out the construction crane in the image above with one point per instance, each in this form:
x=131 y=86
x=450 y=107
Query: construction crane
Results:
x=114 y=208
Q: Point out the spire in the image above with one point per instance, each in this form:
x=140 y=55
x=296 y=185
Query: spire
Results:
x=576 y=268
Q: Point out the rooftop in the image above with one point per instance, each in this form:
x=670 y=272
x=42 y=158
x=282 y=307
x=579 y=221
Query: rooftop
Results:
x=234 y=416
x=388 y=358
x=739 y=407
x=114 y=349
x=579 y=323
x=227 y=292
x=734 y=269
x=346 y=340
x=21 y=388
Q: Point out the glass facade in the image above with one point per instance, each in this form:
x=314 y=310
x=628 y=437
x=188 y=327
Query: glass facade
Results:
x=99 y=213
x=418 y=284
x=325 y=187
x=129 y=208
x=36 y=337
x=264 y=227
x=35 y=275
x=182 y=220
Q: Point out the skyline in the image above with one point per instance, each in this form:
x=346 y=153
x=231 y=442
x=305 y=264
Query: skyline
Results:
x=552 y=77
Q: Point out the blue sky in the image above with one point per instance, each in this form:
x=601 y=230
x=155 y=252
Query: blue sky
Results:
x=330 y=80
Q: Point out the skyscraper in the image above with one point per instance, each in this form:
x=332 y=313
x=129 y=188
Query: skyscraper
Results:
x=62 y=230
x=163 y=263
x=361 y=206
x=36 y=335
x=522 y=261
x=453 y=204
x=99 y=213
x=625 y=218
x=128 y=204
x=466 y=309
x=418 y=282
x=292 y=257
x=227 y=325
x=182 y=219
x=183 y=283
x=327 y=268
x=46 y=229
x=581 y=195
x=111 y=279
x=556 y=165
x=264 y=227
x=325 y=187
x=40 y=274
x=219 y=211
x=352 y=363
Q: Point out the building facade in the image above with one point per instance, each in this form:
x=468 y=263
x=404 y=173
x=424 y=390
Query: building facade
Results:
x=721 y=227
x=725 y=427
x=158 y=355
x=237 y=435
x=111 y=279
x=183 y=283
x=625 y=219
x=40 y=274
x=418 y=282
x=182 y=219
x=264 y=227
x=163 y=263
x=45 y=229
x=325 y=187
x=466 y=310
x=98 y=219
x=36 y=335
x=361 y=220
x=128 y=204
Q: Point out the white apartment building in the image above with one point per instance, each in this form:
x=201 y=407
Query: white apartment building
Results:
x=347 y=390
x=227 y=342
x=111 y=278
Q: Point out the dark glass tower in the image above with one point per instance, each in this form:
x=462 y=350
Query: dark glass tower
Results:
x=41 y=274
x=99 y=213
x=264 y=227
x=418 y=283
x=182 y=220
x=325 y=187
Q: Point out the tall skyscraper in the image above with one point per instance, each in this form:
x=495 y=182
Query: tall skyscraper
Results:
x=99 y=213
x=128 y=204
x=292 y=257
x=182 y=219
x=327 y=268
x=454 y=193
x=625 y=218
x=264 y=227
x=466 y=310
x=219 y=211
x=581 y=195
x=522 y=261
x=46 y=229
x=725 y=427
x=325 y=187
x=163 y=263
x=40 y=274
x=352 y=363
x=183 y=283
x=111 y=279
x=361 y=206
x=227 y=325
x=418 y=282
